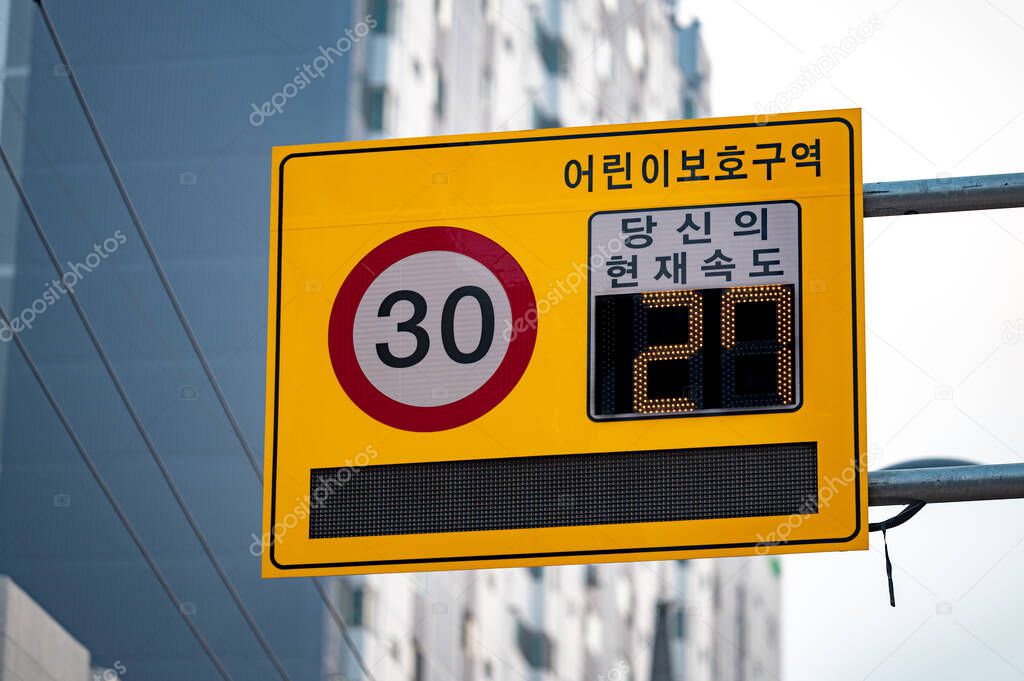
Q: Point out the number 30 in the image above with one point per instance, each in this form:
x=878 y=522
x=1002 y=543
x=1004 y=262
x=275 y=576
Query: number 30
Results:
x=419 y=313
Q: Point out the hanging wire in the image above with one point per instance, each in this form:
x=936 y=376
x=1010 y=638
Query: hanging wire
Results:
x=114 y=503
x=139 y=425
x=144 y=236
x=179 y=311
x=884 y=525
x=903 y=516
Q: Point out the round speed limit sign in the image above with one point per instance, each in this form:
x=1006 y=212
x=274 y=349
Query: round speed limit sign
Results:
x=423 y=333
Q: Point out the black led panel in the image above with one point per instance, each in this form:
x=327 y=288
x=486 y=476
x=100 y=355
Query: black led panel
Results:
x=566 y=490
x=721 y=351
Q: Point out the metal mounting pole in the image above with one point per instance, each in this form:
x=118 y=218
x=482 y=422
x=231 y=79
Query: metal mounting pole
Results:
x=943 y=195
x=945 y=484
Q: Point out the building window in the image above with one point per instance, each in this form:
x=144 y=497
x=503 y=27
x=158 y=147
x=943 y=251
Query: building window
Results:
x=535 y=646
x=381 y=10
x=590 y=576
x=375 y=100
x=536 y=572
x=680 y=624
x=466 y=627
x=439 y=91
x=352 y=603
x=689 y=110
x=553 y=52
x=543 y=120
x=419 y=671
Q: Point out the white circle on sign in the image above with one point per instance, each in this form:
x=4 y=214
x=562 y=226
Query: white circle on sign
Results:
x=398 y=338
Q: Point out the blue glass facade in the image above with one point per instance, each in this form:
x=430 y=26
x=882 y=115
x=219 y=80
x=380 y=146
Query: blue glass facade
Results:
x=173 y=85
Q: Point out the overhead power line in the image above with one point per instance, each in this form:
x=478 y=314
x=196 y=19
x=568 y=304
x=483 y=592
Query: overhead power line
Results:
x=179 y=311
x=114 y=503
x=139 y=425
x=144 y=236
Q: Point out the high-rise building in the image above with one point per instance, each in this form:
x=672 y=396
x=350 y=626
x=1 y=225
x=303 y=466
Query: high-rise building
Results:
x=693 y=60
x=33 y=645
x=191 y=95
x=453 y=66
x=729 y=627
x=706 y=620
x=172 y=84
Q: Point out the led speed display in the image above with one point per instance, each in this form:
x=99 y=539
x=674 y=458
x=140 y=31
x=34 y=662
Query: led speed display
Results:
x=695 y=310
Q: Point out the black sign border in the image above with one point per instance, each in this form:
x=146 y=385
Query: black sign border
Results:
x=455 y=560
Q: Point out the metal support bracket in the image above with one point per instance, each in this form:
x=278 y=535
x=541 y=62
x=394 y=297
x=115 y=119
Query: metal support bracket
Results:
x=944 y=195
x=946 y=484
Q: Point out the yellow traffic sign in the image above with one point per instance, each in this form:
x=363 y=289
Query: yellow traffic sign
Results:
x=626 y=342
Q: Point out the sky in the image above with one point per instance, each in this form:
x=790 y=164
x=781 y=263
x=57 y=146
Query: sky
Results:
x=942 y=92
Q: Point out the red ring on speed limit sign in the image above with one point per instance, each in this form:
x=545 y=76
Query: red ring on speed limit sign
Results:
x=340 y=336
